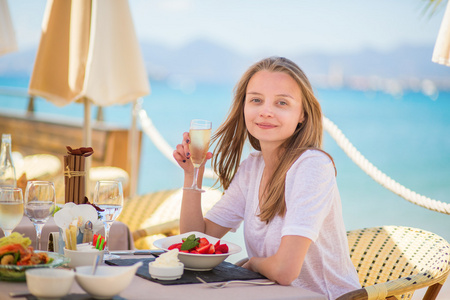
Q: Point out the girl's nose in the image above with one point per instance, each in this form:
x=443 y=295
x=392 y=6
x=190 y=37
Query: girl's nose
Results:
x=266 y=111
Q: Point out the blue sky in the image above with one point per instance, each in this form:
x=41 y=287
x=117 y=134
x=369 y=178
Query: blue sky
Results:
x=260 y=26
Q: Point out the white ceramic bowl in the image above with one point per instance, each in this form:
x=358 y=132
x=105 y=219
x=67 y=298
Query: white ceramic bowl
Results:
x=82 y=258
x=165 y=273
x=49 y=283
x=107 y=282
x=198 y=262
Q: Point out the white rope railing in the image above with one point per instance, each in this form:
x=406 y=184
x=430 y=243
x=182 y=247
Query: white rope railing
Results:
x=379 y=176
x=157 y=139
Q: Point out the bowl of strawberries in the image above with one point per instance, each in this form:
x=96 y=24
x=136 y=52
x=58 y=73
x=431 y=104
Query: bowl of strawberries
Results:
x=198 y=251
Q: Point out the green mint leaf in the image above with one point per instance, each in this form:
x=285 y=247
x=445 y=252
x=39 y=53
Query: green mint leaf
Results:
x=191 y=237
x=189 y=244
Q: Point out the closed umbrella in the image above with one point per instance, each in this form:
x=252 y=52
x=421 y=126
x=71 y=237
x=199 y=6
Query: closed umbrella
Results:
x=88 y=53
x=7 y=37
x=441 y=53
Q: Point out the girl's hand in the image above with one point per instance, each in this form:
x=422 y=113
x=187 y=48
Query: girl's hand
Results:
x=182 y=155
x=248 y=265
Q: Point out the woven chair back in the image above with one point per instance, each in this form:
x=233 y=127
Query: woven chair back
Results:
x=388 y=253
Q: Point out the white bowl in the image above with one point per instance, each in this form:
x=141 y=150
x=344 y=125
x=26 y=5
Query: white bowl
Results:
x=107 y=282
x=49 y=283
x=165 y=273
x=198 y=262
x=82 y=258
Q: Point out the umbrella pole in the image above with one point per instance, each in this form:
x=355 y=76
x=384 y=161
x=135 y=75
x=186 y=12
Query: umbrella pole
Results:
x=133 y=150
x=87 y=142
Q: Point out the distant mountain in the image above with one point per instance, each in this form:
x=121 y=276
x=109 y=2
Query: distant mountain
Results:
x=201 y=61
x=405 y=61
x=205 y=61
x=18 y=64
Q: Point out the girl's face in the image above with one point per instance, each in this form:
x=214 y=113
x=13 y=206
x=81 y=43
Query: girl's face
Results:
x=273 y=107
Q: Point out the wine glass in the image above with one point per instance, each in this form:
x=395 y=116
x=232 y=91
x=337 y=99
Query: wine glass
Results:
x=108 y=196
x=199 y=134
x=40 y=202
x=11 y=208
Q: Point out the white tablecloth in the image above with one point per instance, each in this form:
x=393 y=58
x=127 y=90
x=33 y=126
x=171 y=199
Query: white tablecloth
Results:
x=144 y=289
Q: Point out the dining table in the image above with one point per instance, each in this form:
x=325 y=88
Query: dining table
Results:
x=120 y=235
x=141 y=288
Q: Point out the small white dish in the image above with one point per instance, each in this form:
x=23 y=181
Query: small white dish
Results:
x=198 y=262
x=49 y=283
x=82 y=258
x=107 y=282
x=165 y=273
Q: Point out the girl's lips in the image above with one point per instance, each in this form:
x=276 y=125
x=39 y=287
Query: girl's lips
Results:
x=265 y=125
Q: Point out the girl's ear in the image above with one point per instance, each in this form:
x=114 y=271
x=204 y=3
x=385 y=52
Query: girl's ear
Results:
x=301 y=118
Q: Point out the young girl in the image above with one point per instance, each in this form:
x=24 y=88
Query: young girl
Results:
x=285 y=192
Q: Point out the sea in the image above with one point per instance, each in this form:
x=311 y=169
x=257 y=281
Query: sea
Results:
x=405 y=135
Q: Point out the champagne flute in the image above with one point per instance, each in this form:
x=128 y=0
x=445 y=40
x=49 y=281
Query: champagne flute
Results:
x=199 y=134
x=40 y=202
x=108 y=196
x=11 y=208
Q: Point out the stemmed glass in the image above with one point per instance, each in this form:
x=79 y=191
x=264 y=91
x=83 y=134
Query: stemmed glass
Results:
x=11 y=208
x=199 y=134
x=40 y=202
x=108 y=196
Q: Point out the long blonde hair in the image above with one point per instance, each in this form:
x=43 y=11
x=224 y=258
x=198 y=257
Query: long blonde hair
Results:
x=232 y=134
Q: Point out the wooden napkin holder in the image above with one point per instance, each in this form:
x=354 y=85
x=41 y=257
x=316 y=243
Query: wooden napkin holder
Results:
x=74 y=174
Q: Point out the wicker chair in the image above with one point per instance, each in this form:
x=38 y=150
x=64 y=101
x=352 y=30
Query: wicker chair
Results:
x=393 y=261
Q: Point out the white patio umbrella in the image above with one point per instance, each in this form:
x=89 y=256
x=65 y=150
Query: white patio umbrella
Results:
x=89 y=53
x=441 y=53
x=8 y=41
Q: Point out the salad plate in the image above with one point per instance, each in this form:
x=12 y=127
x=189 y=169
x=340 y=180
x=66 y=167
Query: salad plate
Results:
x=17 y=273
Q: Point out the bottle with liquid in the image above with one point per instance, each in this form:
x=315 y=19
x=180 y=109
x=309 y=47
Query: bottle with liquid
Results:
x=7 y=171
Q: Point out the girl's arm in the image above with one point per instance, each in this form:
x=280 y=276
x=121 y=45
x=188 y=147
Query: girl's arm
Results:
x=191 y=216
x=285 y=265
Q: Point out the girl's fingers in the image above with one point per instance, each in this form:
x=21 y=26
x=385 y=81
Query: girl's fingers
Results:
x=186 y=137
x=179 y=154
x=209 y=155
x=186 y=143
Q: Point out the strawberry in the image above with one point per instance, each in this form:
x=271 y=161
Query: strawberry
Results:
x=177 y=246
x=204 y=249
x=195 y=245
x=223 y=248
x=202 y=242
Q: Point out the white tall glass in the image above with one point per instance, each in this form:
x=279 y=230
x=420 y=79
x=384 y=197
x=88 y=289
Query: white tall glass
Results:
x=108 y=196
x=40 y=202
x=11 y=208
x=200 y=135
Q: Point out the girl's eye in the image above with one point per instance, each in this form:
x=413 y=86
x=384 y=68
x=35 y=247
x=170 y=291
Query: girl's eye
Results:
x=256 y=100
x=282 y=102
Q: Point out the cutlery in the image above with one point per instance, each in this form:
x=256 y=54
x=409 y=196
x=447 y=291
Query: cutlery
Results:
x=155 y=253
x=224 y=284
x=20 y=294
x=96 y=262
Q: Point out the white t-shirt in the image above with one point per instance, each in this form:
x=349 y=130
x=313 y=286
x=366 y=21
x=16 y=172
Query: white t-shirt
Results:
x=313 y=210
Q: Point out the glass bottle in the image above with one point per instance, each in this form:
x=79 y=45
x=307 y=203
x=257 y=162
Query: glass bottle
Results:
x=7 y=171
